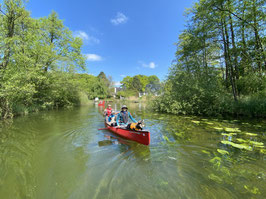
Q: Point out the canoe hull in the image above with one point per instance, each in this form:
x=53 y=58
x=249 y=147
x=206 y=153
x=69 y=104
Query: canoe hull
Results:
x=142 y=137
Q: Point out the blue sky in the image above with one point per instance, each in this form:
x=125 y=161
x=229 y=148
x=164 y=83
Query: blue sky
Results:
x=122 y=37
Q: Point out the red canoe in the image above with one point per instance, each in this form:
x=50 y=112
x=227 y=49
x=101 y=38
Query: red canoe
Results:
x=101 y=103
x=142 y=137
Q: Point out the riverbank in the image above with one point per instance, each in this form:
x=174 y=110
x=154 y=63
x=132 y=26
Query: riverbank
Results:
x=253 y=106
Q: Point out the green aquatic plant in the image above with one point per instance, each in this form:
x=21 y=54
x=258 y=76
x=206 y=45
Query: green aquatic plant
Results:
x=210 y=123
x=166 y=138
x=206 y=152
x=239 y=146
x=229 y=134
x=241 y=140
x=218 y=128
x=232 y=130
x=257 y=144
x=215 y=178
x=251 y=134
x=216 y=161
x=263 y=151
x=223 y=152
x=196 y=122
x=253 y=190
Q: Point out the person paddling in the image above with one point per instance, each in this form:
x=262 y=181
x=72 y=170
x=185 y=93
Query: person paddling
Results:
x=123 y=117
x=107 y=112
x=111 y=120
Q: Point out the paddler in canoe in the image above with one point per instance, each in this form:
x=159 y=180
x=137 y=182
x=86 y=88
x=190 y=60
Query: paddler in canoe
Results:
x=123 y=117
x=107 y=112
x=111 y=120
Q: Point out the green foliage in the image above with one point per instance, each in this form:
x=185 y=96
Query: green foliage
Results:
x=139 y=83
x=38 y=60
x=220 y=62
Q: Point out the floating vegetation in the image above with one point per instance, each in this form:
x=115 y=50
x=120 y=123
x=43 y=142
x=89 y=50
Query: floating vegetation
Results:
x=218 y=128
x=257 y=144
x=232 y=130
x=216 y=161
x=215 y=178
x=166 y=138
x=163 y=183
x=253 y=190
x=263 y=151
x=241 y=140
x=239 y=146
x=210 y=123
x=196 y=122
x=229 y=134
x=251 y=134
x=223 y=152
x=207 y=152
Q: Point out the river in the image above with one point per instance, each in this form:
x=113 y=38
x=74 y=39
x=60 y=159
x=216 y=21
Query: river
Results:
x=61 y=154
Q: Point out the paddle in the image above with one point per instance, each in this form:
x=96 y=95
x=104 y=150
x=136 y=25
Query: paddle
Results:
x=103 y=129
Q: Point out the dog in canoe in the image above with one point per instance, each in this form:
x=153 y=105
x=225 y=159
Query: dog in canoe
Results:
x=136 y=126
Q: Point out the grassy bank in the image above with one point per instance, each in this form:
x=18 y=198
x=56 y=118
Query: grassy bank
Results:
x=253 y=106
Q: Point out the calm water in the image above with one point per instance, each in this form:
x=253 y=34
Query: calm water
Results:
x=62 y=155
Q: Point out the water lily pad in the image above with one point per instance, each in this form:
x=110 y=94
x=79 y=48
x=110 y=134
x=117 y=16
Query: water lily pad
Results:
x=251 y=134
x=223 y=152
x=196 y=122
x=232 y=130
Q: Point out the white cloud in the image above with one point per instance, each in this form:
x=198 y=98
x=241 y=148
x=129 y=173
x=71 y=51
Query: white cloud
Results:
x=86 y=38
x=93 y=57
x=151 y=65
x=122 y=75
x=119 y=19
x=117 y=84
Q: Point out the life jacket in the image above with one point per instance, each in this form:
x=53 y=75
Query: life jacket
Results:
x=124 y=117
x=133 y=126
x=111 y=118
x=108 y=111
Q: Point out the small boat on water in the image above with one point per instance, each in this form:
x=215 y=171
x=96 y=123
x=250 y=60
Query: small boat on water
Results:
x=101 y=103
x=142 y=137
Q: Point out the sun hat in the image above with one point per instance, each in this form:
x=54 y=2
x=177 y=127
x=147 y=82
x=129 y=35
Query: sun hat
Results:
x=124 y=106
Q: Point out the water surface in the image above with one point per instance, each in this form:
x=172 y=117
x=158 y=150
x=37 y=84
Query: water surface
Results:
x=61 y=154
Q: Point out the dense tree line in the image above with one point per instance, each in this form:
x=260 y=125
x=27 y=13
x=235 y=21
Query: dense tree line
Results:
x=38 y=61
x=140 y=84
x=220 y=61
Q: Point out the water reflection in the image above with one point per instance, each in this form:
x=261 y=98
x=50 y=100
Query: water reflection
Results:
x=61 y=154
